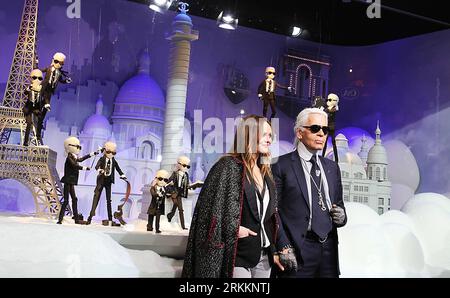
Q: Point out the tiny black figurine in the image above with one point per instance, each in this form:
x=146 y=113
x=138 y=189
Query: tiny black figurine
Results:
x=53 y=75
x=159 y=195
x=33 y=105
x=266 y=91
x=331 y=108
x=106 y=167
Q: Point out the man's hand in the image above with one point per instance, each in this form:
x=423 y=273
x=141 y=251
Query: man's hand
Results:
x=86 y=168
x=101 y=171
x=47 y=107
x=286 y=260
x=337 y=214
x=123 y=177
x=260 y=96
x=244 y=232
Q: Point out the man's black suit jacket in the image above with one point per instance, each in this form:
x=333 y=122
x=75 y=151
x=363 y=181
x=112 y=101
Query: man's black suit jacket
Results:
x=101 y=164
x=269 y=95
x=72 y=169
x=182 y=190
x=47 y=88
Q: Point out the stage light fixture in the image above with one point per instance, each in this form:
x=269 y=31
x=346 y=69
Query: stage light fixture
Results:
x=160 y=6
x=296 y=31
x=227 y=21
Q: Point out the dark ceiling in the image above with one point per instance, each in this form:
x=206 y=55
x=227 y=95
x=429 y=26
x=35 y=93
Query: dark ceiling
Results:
x=340 y=22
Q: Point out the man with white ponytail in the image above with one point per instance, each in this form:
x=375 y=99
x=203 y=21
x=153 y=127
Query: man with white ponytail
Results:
x=310 y=202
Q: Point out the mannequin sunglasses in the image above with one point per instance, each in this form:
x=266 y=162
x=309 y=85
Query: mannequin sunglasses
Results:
x=161 y=179
x=182 y=164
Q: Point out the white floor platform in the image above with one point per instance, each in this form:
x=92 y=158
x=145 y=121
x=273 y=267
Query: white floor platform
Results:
x=38 y=247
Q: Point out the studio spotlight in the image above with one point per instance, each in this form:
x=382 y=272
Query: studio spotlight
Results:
x=160 y=6
x=227 y=21
x=296 y=31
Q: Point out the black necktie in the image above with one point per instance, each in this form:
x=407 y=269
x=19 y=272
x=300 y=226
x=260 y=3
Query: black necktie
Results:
x=321 y=222
x=52 y=78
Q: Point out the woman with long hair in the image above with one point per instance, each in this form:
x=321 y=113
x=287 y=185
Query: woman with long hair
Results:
x=234 y=225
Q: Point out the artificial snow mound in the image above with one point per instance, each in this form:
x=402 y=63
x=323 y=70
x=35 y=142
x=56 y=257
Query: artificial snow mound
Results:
x=43 y=249
x=413 y=242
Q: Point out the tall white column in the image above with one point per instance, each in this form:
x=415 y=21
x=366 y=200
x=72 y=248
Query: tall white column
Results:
x=179 y=56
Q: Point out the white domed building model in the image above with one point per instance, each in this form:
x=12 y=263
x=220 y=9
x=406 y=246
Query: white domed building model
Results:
x=364 y=175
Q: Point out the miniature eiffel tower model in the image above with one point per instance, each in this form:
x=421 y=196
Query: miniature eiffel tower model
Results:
x=34 y=167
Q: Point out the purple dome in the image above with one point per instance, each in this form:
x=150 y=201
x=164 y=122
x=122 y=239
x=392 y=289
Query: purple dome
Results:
x=141 y=89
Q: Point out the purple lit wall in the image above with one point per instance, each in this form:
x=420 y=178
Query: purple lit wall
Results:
x=401 y=83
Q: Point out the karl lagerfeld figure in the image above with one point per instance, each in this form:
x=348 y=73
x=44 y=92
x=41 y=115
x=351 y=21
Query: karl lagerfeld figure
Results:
x=70 y=178
x=310 y=202
x=266 y=91
x=159 y=195
x=106 y=167
x=32 y=107
x=179 y=190
x=53 y=75
x=331 y=108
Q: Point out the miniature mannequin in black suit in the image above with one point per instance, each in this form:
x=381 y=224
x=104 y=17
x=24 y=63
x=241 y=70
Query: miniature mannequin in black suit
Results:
x=70 y=178
x=106 y=167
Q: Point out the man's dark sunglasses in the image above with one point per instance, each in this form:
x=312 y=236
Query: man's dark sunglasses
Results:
x=271 y=72
x=110 y=152
x=76 y=146
x=161 y=179
x=316 y=128
x=58 y=62
x=186 y=166
x=37 y=78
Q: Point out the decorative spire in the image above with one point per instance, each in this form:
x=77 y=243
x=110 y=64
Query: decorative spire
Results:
x=378 y=133
x=99 y=105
